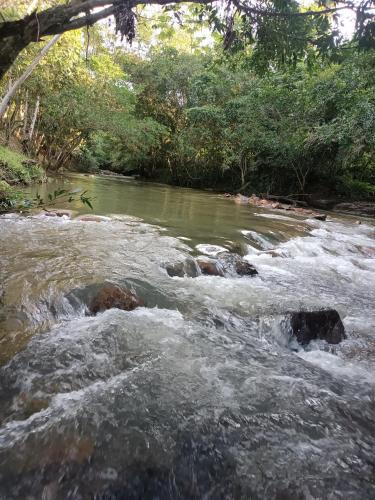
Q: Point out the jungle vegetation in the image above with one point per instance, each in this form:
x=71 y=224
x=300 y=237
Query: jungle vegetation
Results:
x=238 y=96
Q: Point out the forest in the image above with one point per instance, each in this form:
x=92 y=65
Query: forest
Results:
x=285 y=108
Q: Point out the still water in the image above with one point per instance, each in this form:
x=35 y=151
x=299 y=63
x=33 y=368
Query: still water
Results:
x=198 y=394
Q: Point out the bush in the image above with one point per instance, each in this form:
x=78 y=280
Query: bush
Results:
x=354 y=188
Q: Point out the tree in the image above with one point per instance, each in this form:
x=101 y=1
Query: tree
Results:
x=20 y=80
x=256 y=19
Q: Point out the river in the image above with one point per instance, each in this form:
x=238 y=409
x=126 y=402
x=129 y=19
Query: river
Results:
x=197 y=395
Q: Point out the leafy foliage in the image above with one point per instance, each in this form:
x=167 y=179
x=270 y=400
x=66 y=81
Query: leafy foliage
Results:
x=287 y=108
x=283 y=132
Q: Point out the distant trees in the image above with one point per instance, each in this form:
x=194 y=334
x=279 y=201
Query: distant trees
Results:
x=287 y=131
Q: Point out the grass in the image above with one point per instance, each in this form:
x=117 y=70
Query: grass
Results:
x=15 y=169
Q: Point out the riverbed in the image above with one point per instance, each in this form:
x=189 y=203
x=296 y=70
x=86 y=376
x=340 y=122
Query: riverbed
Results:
x=198 y=394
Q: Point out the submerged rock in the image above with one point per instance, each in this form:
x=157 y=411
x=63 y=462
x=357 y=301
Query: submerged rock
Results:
x=312 y=325
x=92 y=218
x=225 y=263
x=59 y=213
x=209 y=267
x=187 y=267
x=367 y=251
x=112 y=296
x=233 y=263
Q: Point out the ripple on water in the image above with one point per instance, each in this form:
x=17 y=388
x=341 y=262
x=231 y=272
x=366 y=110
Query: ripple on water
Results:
x=198 y=396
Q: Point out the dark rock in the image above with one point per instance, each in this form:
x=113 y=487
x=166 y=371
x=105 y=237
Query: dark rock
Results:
x=312 y=325
x=233 y=263
x=322 y=217
x=209 y=267
x=112 y=296
x=243 y=268
x=187 y=267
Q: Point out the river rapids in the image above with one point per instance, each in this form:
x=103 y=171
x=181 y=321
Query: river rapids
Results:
x=197 y=395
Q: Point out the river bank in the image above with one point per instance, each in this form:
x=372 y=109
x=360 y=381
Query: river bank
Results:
x=283 y=203
x=16 y=172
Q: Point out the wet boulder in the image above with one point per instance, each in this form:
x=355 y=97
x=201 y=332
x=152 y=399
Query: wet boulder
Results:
x=209 y=267
x=238 y=247
x=187 y=267
x=112 y=296
x=243 y=268
x=321 y=217
x=325 y=324
x=234 y=264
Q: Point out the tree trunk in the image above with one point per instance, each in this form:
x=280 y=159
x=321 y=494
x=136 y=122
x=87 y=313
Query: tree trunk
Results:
x=33 y=121
x=25 y=115
x=17 y=35
x=16 y=85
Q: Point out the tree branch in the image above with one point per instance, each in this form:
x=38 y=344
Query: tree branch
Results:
x=16 y=35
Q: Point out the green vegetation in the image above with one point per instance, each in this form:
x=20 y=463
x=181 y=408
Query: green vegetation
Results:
x=8 y=196
x=15 y=169
x=291 y=131
x=287 y=108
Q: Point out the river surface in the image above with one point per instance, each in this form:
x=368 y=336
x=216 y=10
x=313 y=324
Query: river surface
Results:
x=200 y=394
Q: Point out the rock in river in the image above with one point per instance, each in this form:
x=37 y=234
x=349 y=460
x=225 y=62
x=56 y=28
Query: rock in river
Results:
x=209 y=266
x=325 y=324
x=243 y=268
x=187 y=267
x=234 y=263
x=112 y=296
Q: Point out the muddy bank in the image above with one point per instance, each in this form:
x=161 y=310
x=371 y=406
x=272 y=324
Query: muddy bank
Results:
x=304 y=208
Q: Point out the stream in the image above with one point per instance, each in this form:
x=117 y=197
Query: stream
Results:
x=197 y=395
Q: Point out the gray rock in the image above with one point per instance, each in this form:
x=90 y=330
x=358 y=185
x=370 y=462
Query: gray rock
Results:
x=187 y=267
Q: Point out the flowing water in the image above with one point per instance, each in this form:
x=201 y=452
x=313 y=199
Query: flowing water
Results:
x=200 y=394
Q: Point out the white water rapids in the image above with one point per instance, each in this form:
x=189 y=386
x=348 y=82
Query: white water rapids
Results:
x=197 y=395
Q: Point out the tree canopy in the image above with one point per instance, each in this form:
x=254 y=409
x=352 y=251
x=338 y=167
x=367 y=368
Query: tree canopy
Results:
x=282 y=27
